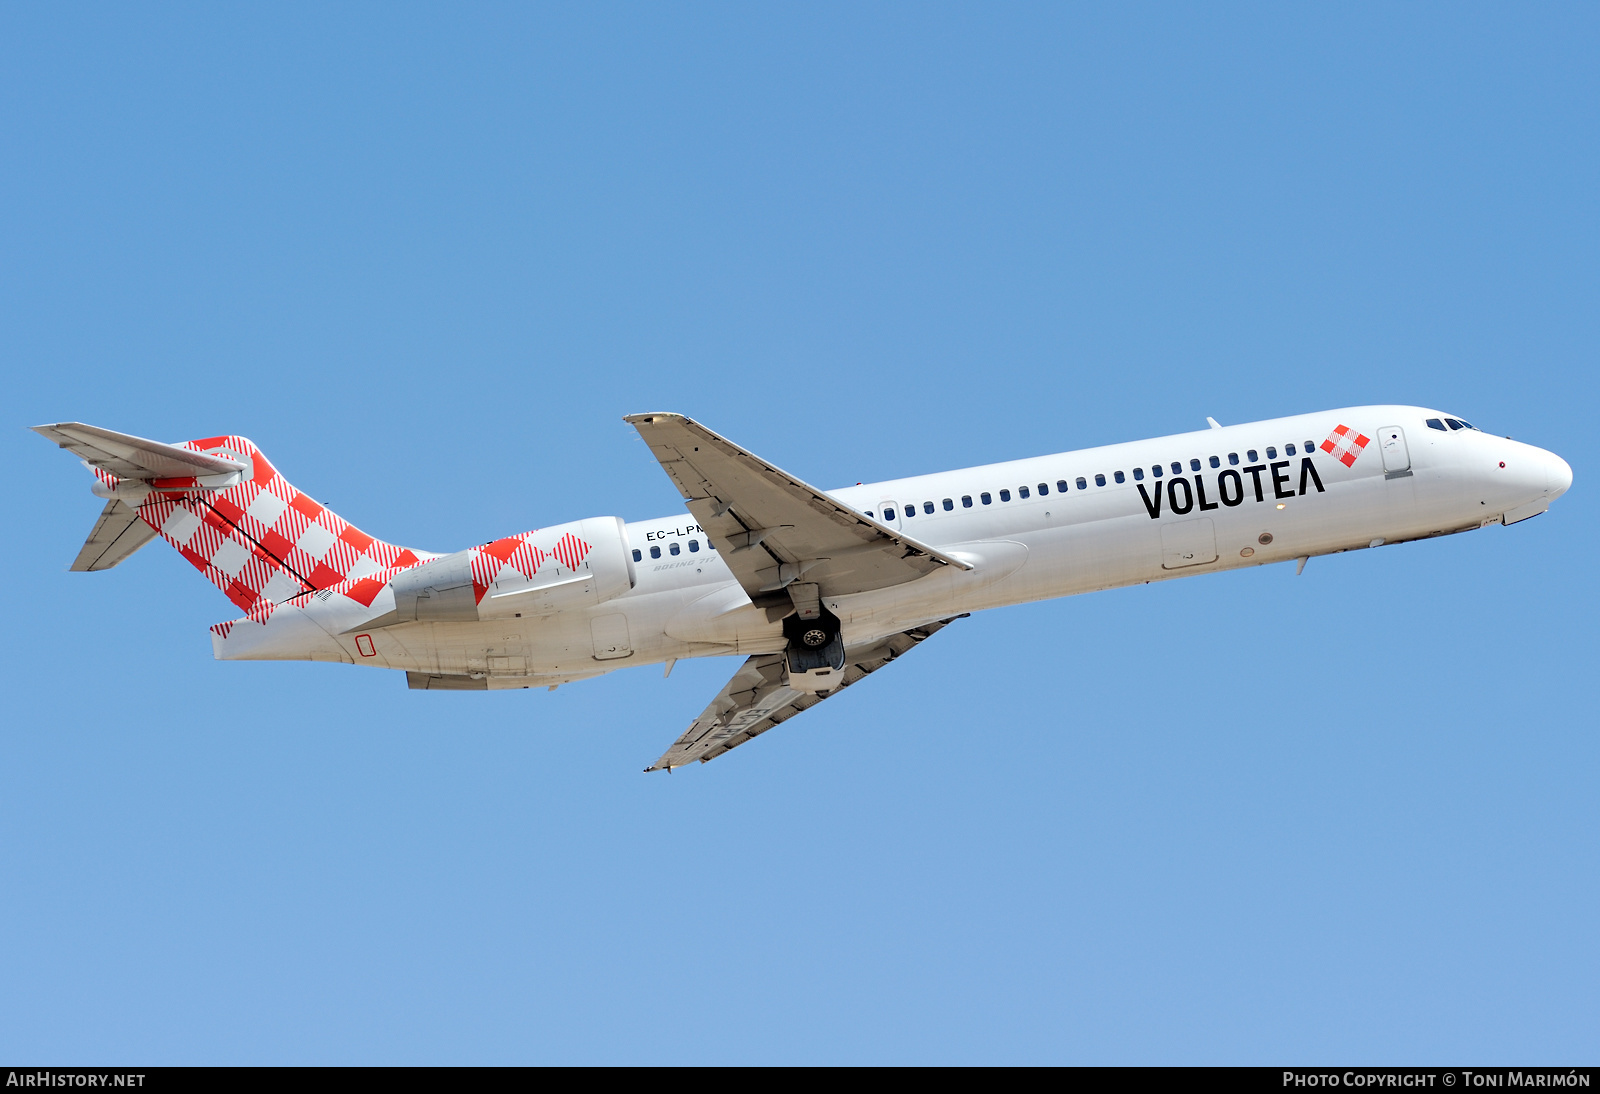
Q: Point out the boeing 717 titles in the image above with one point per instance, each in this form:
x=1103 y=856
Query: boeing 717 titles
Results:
x=815 y=589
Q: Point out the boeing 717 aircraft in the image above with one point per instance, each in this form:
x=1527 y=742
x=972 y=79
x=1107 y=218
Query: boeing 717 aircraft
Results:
x=815 y=589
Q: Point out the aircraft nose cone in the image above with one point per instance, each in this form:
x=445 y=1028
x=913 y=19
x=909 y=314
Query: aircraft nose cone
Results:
x=1558 y=475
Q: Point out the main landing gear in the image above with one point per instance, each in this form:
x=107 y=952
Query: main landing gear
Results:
x=815 y=657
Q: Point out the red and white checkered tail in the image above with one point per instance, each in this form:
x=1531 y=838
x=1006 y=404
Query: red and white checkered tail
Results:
x=227 y=510
x=262 y=541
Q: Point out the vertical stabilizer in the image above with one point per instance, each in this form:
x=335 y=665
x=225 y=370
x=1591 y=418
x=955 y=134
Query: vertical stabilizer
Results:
x=227 y=510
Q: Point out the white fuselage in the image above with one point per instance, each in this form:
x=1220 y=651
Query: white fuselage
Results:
x=1252 y=501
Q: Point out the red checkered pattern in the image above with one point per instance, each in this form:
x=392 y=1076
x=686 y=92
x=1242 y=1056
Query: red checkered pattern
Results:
x=1345 y=444
x=263 y=542
x=497 y=561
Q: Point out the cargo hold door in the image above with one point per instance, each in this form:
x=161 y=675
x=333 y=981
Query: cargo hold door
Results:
x=1188 y=543
x=610 y=634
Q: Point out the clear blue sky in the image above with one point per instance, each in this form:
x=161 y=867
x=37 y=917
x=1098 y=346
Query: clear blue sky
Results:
x=427 y=258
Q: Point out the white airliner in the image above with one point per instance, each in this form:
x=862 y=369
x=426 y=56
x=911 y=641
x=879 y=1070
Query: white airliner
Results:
x=816 y=589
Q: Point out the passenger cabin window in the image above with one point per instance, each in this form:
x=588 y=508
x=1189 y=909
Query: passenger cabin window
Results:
x=1044 y=488
x=673 y=548
x=1311 y=446
x=985 y=498
x=966 y=501
x=638 y=555
x=1177 y=468
x=694 y=546
x=1233 y=459
x=1138 y=474
x=1215 y=462
x=927 y=507
x=1120 y=477
x=1251 y=456
x=869 y=514
x=710 y=546
x=1005 y=495
x=1272 y=453
x=1082 y=485
x=948 y=505
x=655 y=552
x=1061 y=486
x=1022 y=491
x=911 y=510
x=1194 y=465
x=1435 y=423
x=1099 y=480
x=1288 y=450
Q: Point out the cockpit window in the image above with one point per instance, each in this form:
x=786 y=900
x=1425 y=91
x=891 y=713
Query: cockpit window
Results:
x=1469 y=425
x=1435 y=423
x=1453 y=424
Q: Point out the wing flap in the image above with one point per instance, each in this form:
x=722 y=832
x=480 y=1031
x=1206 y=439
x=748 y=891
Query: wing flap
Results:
x=756 y=698
x=771 y=527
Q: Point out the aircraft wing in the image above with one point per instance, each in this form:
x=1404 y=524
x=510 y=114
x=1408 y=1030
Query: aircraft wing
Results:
x=129 y=457
x=756 y=699
x=117 y=534
x=771 y=528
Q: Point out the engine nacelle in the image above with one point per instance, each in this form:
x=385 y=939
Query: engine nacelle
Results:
x=541 y=572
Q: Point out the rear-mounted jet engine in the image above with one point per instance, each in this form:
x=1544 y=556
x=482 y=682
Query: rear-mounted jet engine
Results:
x=552 y=570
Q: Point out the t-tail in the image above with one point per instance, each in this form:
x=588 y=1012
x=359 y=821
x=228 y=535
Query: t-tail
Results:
x=230 y=513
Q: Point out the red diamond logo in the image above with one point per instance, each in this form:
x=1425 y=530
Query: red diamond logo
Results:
x=1345 y=444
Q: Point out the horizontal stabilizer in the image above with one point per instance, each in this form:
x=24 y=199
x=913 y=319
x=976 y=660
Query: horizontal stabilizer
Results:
x=129 y=457
x=117 y=534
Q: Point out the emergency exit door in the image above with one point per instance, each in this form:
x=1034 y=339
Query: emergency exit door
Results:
x=1396 y=457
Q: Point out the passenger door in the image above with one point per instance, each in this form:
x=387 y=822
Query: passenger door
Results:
x=1396 y=457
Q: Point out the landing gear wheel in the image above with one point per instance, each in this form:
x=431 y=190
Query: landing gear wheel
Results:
x=811 y=636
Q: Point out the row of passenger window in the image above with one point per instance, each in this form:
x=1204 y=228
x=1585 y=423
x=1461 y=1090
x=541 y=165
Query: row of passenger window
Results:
x=672 y=549
x=1062 y=486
